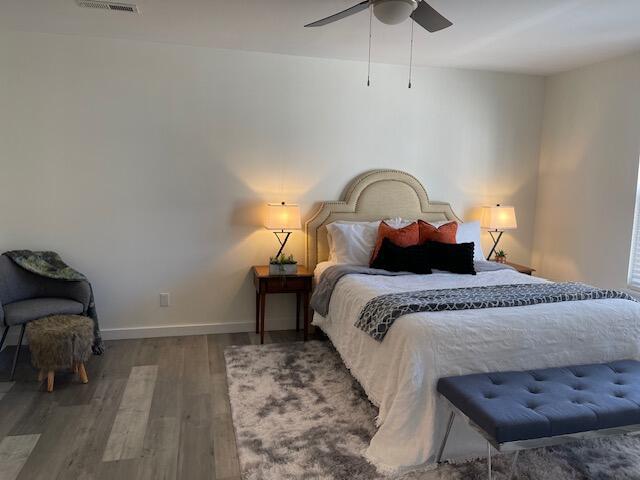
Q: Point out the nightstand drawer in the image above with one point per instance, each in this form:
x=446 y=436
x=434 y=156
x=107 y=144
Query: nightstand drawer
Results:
x=286 y=284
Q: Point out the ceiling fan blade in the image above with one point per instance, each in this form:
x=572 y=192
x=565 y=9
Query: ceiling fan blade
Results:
x=340 y=15
x=427 y=17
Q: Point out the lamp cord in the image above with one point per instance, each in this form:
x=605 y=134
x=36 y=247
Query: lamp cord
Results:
x=369 y=60
x=411 y=53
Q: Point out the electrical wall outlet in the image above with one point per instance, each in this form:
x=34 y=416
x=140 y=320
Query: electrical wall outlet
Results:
x=164 y=299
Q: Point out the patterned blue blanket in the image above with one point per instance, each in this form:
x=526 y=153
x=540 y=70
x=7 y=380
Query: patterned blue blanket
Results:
x=378 y=315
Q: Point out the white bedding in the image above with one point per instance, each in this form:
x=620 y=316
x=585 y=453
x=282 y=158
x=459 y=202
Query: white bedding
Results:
x=400 y=373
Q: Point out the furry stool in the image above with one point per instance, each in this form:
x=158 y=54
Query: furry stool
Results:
x=59 y=342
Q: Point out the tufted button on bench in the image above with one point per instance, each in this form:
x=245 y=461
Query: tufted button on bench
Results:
x=518 y=410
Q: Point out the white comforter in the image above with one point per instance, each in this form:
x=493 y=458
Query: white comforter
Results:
x=400 y=373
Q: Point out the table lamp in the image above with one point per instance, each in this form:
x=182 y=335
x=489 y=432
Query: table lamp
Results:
x=496 y=220
x=282 y=218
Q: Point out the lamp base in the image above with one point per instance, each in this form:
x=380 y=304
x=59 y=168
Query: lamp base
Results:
x=495 y=242
x=283 y=241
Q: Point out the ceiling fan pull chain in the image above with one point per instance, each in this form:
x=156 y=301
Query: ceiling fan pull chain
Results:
x=411 y=53
x=369 y=60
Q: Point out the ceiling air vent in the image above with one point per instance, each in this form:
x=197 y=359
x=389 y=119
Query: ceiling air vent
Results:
x=101 y=5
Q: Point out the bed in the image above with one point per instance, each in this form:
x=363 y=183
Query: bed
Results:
x=399 y=374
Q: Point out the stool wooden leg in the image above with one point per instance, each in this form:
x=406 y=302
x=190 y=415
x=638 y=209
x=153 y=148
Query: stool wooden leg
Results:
x=83 y=373
x=75 y=367
x=41 y=375
x=50 y=377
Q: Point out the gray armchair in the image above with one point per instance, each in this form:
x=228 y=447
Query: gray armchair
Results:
x=25 y=296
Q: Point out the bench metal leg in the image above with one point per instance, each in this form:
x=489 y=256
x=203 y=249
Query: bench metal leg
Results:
x=488 y=460
x=15 y=357
x=446 y=436
x=512 y=470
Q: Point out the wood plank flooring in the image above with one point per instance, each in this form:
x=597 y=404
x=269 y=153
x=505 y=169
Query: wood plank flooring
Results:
x=154 y=408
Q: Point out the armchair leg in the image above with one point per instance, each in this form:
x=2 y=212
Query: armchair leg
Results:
x=15 y=357
x=4 y=336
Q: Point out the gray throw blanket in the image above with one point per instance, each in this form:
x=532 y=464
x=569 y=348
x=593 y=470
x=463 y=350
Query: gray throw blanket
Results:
x=378 y=315
x=324 y=289
x=329 y=278
x=50 y=265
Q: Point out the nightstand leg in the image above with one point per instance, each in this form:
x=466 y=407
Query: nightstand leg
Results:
x=298 y=312
x=263 y=299
x=257 y=312
x=305 y=305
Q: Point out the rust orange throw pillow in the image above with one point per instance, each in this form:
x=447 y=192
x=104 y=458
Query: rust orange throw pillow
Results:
x=444 y=233
x=402 y=237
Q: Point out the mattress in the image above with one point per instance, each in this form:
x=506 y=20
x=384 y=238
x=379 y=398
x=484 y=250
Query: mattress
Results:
x=399 y=374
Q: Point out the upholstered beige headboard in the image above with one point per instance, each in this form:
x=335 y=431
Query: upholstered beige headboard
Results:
x=374 y=195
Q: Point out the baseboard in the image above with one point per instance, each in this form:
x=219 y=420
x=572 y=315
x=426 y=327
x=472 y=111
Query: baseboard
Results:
x=156 y=331
x=176 y=330
x=275 y=323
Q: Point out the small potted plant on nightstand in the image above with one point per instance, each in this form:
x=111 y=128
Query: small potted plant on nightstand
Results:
x=282 y=265
x=501 y=256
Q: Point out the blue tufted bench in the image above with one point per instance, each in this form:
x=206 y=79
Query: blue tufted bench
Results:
x=519 y=410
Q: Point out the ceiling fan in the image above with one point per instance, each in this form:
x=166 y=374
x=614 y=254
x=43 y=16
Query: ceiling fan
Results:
x=393 y=12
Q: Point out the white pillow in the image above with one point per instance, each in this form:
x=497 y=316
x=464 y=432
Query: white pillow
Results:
x=468 y=232
x=398 y=222
x=353 y=242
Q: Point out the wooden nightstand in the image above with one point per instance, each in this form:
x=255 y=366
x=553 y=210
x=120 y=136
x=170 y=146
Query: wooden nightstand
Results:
x=299 y=283
x=521 y=268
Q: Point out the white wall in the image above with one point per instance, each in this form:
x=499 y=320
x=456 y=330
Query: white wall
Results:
x=147 y=165
x=588 y=173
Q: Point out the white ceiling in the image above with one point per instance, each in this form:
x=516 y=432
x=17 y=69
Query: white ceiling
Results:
x=532 y=36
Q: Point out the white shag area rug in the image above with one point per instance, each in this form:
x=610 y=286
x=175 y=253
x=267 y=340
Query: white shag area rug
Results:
x=299 y=414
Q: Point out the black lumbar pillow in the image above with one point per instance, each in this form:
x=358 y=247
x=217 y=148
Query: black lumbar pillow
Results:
x=393 y=258
x=451 y=257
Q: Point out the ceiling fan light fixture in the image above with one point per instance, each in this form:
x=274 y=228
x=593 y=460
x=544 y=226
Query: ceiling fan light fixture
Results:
x=393 y=12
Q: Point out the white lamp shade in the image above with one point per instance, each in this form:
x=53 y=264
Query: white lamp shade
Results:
x=498 y=218
x=282 y=216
